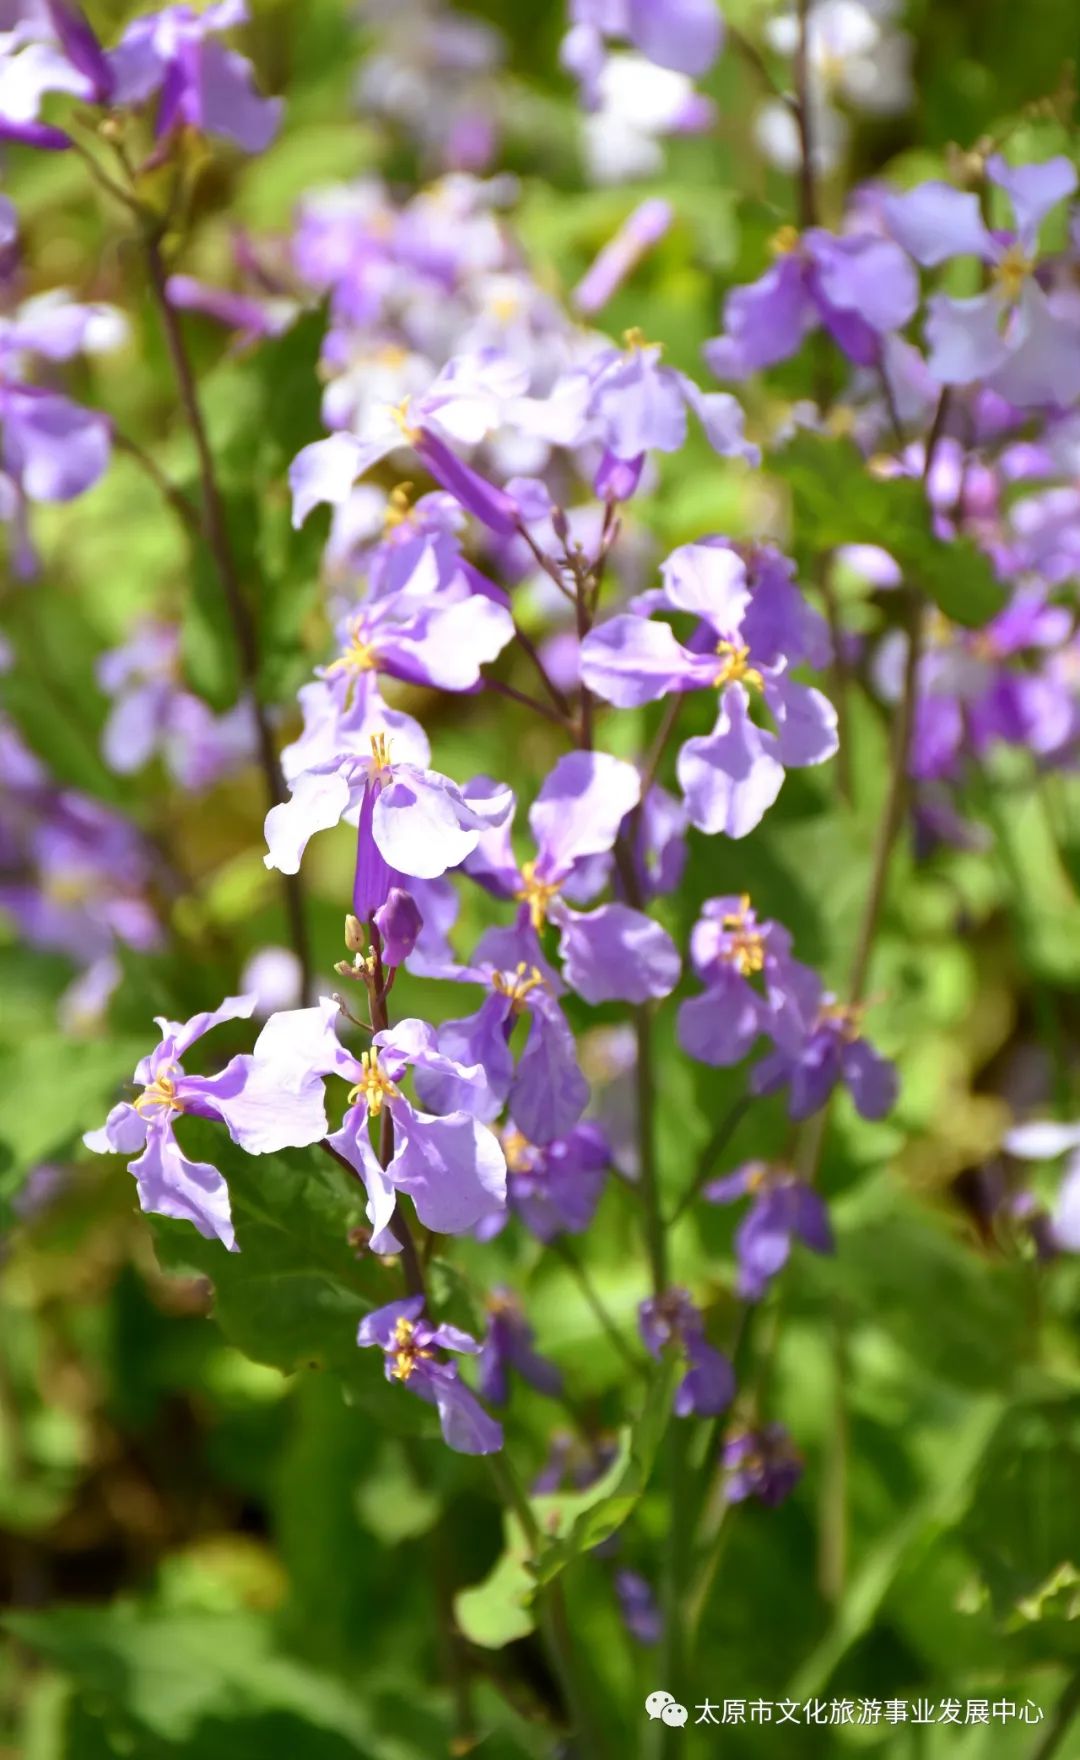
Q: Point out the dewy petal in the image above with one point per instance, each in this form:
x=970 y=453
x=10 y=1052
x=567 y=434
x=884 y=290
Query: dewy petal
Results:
x=965 y=338
x=326 y=471
x=581 y=805
x=171 y=1185
x=732 y=777
x=616 y=954
x=265 y=1105
x=935 y=222
x=318 y=801
x=682 y=34
x=1033 y=190
x=453 y=1168
x=630 y=660
x=710 y=581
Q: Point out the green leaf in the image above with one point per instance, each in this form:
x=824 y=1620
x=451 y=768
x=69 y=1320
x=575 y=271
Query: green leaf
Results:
x=63 y=1090
x=295 y=1292
x=499 y=1610
x=837 y=500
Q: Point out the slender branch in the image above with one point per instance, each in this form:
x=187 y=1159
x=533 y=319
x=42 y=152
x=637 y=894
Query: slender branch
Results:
x=515 y=696
x=752 y=55
x=714 y=1148
x=216 y=532
x=807 y=191
x=651 y=767
x=1058 y=1728
x=577 y=1270
x=186 y=511
x=528 y=647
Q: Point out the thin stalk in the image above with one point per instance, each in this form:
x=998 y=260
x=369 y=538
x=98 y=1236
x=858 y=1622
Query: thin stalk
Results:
x=655 y=1237
x=515 y=696
x=555 y=696
x=715 y=1147
x=664 y=1738
x=573 y=1264
x=832 y=1549
x=186 y=511
x=807 y=191
x=1058 y=1728
x=216 y=532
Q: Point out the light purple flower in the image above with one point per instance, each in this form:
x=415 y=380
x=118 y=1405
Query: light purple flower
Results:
x=782 y=1207
x=611 y=953
x=686 y=35
x=509 y=1346
x=672 y=1319
x=858 y=286
x=762 y=1463
x=638 y=1606
x=752 y=626
x=264 y=1103
x=1044 y=1141
x=747 y=967
x=452 y=1167
x=153 y=715
x=173 y=55
x=413 y=1349
x=819 y=1044
x=1016 y=339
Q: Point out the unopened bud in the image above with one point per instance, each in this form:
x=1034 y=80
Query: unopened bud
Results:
x=356 y=937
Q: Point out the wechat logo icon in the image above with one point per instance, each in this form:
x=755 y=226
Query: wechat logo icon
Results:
x=667 y=1708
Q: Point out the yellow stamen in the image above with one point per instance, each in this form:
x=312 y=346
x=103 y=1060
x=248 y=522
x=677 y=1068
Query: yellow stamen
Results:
x=784 y=241
x=635 y=339
x=400 y=413
x=397 y=507
x=358 y=657
x=160 y=1092
x=735 y=670
x=380 y=754
x=747 y=950
x=373 y=1088
x=847 y=1015
x=407 y=1354
x=518 y=1152
x=517 y=988
x=1011 y=273
x=537 y=894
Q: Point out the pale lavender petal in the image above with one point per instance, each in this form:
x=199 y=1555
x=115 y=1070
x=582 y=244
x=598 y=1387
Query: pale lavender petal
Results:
x=710 y=581
x=453 y=1168
x=264 y=1105
x=466 y=1426
x=616 y=954
x=326 y=471
x=720 y=1026
x=1041 y=1140
x=965 y=337
x=318 y=802
x=732 y=777
x=581 y=805
x=192 y=1191
x=934 y=222
x=184 y=1033
x=123 y=1132
x=683 y=34
x=1043 y=365
x=1033 y=190
x=549 y=1092
x=806 y=723
x=630 y=660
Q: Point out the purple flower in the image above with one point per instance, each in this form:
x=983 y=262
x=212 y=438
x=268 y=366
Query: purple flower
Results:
x=463 y=405
x=761 y=1463
x=686 y=35
x=746 y=965
x=411 y=820
x=672 y=1319
x=1045 y=1141
x=638 y=1606
x=611 y=953
x=1016 y=339
x=752 y=626
x=253 y=318
x=817 y=1046
x=199 y=84
x=152 y=714
x=413 y=1350
x=555 y=1187
x=509 y=1345
x=858 y=286
x=430 y=637
x=782 y=1207
x=265 y=1105
x=452 y=1167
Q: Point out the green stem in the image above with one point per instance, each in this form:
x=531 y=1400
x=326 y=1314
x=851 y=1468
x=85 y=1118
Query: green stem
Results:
x=1058 y=1728
x=573 y=1264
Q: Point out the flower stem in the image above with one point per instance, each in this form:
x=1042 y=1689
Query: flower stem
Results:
x=216 y=532
x=588 y=1289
